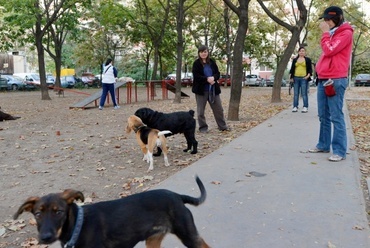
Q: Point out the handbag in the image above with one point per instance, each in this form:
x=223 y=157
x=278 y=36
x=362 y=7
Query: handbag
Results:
x=329 y=88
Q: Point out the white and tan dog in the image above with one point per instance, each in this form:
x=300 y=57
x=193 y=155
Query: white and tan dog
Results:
x=148 y=138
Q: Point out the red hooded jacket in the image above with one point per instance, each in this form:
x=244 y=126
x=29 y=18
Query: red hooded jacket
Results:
x=336 y=53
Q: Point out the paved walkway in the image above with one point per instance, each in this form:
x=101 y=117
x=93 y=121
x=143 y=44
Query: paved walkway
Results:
x=265 y=190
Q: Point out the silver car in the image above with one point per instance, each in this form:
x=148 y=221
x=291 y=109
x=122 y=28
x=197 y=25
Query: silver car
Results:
x=253 y=80
x=16 y=83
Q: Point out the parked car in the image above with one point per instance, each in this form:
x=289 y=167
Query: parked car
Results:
x=186 y=81
x=362 y=80
x=29 y=78
x=89 y=80
x=67 y=81
x=223 y=79
x=261 y=82
x=16 y=83
x=312 y=83
x=50 y=80
x=253 y=80
x=271 y=79
x=3 y=83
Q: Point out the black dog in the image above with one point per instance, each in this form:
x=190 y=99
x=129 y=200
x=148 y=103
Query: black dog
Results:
x=176 y=122
x=7 y=117
x=119 y=223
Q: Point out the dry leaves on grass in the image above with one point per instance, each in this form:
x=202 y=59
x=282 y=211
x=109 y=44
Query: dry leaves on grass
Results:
x=360 y=119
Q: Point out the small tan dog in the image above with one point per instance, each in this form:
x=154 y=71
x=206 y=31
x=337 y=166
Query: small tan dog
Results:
x=148 y=139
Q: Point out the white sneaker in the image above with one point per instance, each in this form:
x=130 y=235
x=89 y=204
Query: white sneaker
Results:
x=336 y=158
x=100 y=108
x=116 y=107
x=304 y=110
x=295 y=109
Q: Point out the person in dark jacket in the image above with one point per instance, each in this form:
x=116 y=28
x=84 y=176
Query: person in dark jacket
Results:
x=300 y=74
x=206 y=89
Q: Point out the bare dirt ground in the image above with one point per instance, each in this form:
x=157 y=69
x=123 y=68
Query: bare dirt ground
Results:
x=51 y=147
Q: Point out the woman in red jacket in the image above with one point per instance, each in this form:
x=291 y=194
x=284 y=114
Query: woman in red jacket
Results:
x=333 y=66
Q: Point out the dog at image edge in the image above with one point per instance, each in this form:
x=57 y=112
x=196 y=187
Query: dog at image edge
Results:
x=120 y=223
x=176 y=122
x=7 y=117
x=148 y=138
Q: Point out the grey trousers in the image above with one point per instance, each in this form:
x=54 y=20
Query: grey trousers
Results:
x=217 y=110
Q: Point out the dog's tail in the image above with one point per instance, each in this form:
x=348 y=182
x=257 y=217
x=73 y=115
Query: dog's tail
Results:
x=196 y=201
x=164 y=132
x=191 y=112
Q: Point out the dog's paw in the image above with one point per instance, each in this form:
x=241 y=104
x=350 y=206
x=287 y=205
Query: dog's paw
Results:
x=146 y=158
x=166 y=162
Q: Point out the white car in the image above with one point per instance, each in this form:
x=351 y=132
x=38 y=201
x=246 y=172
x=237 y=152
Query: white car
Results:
x=29 y=78
x=253 y=80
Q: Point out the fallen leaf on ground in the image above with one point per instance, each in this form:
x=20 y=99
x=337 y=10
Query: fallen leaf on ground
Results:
x=330 y=245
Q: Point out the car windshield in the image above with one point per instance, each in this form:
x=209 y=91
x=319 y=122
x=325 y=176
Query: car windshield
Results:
x=363 y=76
x=36 y=77
x=16 y=78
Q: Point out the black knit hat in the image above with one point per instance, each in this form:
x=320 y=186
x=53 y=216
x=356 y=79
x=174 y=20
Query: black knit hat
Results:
x=331 y=12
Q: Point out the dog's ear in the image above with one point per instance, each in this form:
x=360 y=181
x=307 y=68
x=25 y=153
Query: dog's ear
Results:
x=129 y=124
x=128 y=129
x=26 y=206
x=70 y=195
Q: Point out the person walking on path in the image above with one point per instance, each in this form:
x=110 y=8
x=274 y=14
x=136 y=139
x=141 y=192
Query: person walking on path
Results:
x=206 y=89
x=109 y=78
x=300 y=75
x=332 y=69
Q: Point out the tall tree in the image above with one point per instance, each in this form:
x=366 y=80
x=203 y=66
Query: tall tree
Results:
x=300 y=16
x=56 y=36
x=181 y=10
x=155 y=21
x=103 y=35
x=37 y=17
x=237 y=68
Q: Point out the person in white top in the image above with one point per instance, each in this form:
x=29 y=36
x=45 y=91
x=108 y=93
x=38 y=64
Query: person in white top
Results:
x=109 y=78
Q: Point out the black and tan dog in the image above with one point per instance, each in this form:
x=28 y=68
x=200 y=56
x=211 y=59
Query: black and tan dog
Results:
x=176 y=122
x=120 y=223
x=148 y=138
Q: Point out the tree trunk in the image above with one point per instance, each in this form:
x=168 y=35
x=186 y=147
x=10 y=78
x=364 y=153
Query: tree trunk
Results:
x=155 y=62
x=41 y=61
x=58 y=64
x=282 y=64
x=228 y=43
x=237 y=68
x=179 y=47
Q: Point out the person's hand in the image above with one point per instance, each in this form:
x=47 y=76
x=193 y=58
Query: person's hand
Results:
x=211 y=80
x=291 y=80
x=324 y=27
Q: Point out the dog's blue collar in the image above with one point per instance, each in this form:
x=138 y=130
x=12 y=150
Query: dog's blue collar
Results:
x=76 y=231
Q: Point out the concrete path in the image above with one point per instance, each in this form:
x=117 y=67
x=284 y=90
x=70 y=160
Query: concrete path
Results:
x=265 y=190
